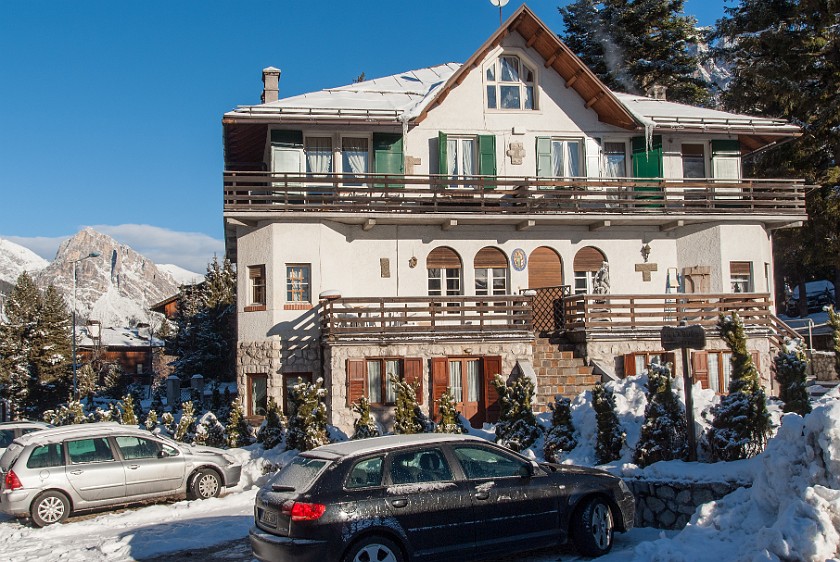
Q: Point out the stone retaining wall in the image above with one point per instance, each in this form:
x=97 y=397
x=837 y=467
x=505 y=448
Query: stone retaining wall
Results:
x=670 y=505
x=822 y=365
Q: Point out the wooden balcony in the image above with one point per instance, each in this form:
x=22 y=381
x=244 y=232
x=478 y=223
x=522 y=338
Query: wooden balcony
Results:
x=501 y=317
x=596 y=316
x=263 y=194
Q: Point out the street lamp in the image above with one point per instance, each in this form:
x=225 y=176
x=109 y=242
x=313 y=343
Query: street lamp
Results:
x=74 y=262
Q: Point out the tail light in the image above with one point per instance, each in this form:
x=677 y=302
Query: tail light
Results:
x=12 y=482
x=300 y=511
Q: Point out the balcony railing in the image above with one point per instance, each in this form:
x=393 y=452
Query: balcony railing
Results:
x=378 y=193
x=499 y=316
x=595 y=314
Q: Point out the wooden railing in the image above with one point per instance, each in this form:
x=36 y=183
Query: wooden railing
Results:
x=380 y=193
x=549 y=314
x=594 y=313
x=503 y=316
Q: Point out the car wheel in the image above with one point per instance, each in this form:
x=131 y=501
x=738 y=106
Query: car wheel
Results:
x=592 y=528
x=205 y=484
x=49 y=508
x=374 y=549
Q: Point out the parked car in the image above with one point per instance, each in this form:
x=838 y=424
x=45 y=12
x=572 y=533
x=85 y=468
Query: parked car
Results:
x=432 y=497
x=9 y=431
x=52 y=473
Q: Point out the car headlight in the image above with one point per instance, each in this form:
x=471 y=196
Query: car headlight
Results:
x=229 y=459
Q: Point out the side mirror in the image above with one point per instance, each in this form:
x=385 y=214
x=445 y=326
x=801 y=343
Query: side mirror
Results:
x=526 y=471
x=162 y=454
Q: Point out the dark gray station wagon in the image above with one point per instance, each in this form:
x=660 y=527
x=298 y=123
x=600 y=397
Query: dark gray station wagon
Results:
x=432 y=497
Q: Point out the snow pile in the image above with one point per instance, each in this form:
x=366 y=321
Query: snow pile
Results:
x=792 y=512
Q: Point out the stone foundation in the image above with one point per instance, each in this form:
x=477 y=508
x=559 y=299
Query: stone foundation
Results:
x=670 y=505
x=822 y=365
x=275 y=357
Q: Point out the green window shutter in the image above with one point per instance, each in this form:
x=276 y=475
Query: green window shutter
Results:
x=292 y=139
x=388 y=155
x=487 y=155
x=544 y=168
x=647 y=163
x=442 y=153
x=726 y=146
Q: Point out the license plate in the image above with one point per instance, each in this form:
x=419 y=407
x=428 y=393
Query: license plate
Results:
x=268 y=517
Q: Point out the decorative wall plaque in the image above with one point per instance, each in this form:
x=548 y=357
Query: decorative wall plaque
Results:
x=516 y=152
x=518 y=259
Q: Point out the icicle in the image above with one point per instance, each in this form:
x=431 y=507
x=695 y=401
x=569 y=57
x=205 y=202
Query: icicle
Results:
x=648 y=135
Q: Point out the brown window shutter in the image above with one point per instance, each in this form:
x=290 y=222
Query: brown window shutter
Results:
x=739 y=267
x=356 y=380
x=589 y=259
x=545 y=268
x=672 y=359
x=440 y=382
x=492 y=367
x=490 y=258
x=630 y=364
x=413 y=374
x=700 y=367
x=443 y=258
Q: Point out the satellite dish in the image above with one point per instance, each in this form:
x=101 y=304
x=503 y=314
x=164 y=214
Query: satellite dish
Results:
x=499 y=3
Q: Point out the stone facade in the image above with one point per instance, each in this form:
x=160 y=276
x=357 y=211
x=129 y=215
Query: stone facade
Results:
x=274 y=357
x=822 y=365
x=670 y=505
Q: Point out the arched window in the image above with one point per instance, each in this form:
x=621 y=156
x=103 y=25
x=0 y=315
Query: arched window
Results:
x=587 y=262
x=491 y=272
x=510 y=84
x=545 y=268
x=444 y=272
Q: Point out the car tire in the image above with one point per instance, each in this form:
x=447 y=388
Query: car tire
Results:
x=49 y=508
x=205 y=484
x=592 y=528
x=374 y=549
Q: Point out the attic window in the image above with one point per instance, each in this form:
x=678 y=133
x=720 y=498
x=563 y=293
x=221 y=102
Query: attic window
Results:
x=510 y=84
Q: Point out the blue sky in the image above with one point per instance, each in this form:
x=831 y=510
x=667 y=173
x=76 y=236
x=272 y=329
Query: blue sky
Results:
x=112 y=109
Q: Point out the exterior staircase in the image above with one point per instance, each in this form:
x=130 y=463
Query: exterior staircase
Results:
x=559 y=371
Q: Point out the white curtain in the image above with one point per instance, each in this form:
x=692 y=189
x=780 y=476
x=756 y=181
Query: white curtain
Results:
x=558 y=157
x=468 y=151
x=374 y=382
x=455 y=381
x=573 y=154
x=318 y=155
x=510 y=69
x=392 y=367
x=473 y=381
x=614 y=166
x=452 y=157
x=355 y=155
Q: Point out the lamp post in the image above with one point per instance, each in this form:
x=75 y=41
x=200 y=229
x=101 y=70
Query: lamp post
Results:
x=74 y=262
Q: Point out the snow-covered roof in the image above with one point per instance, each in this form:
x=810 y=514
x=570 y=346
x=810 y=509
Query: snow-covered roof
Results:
x=388 y=98
x=118 y=337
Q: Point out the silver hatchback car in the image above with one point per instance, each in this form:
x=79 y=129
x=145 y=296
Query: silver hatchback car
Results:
x=51 y=473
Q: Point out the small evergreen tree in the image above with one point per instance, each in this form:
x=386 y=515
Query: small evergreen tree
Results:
x=167 y=423
x=273 y=429
x=664 y=434
x=157 y=396
x=517 y=428
x=239 y=432
x=129 y=416
x=86 y=381
x=610 y=437
x=185 y=431
x=72 y=413
x=450 y=418
x=151 y=420
x=834 y=322
x=365 y=426
x=210 y=431
x=561 y=437
x=112 y=382
x=114 y=413
x=308 y=417
x=791 y=366
x=408 y=417
x=741 y=424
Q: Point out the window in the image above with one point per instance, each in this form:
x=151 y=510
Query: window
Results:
x=6 y=437
x=615 y=160
x=46 y=456
x=510 y=84
x=425 y=465
x=365 y=473
x=256 y=288
x=637 y=363
x=369 y=378
x=298 y=283
x=559 y=158
x=491 y=272
x=479 y=462
x=289 y=381
x=740 y=276
x=136 y=447
x=89 y=450
x=354 y=155
x=720 y=369
x=465 y=379
x=379 y=384
x=258 y=386
x=694 y=161
x=461 y=153
x=587 y=264
x=319 y=155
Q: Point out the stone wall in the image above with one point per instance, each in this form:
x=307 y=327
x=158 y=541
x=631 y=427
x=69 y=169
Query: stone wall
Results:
x=670 y=505
x=822 y=365
x=274 y=357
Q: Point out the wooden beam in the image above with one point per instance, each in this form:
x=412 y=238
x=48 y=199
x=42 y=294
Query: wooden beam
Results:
x=525 y=225
x=550 y=60
x=671 y=225
x=594 y=99
x=240 y=222
x=501 y=36
x=574 y=78
x=448 y=224
x=534 y=37
x=600 y=225
x=368 y=224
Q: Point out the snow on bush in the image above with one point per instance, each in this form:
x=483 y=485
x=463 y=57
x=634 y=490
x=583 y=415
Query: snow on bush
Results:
x=792 y=511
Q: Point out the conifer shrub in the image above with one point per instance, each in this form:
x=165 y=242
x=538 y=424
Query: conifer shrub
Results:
x=517 y=428
x=239 y=431
x=365 y=426
x=740 y=422
x=273 y=429
x=560 y=438
x=307 y=416
x=408 y=417
x=128 y=417
x=610 y=436
x=151 y=420
x=664 y=433
x=185 y=430
x=450 y=417
x=71 y=413
x=210 y=432
x=167 y=424
x=791 y=368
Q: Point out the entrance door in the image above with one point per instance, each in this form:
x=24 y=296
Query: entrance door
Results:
x=465 y=382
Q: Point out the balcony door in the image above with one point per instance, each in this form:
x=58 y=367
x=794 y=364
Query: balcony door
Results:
x=469 y=381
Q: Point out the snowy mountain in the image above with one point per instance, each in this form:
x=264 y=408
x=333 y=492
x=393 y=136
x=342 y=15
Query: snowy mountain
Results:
x=181 y=275
x=116 y=287
x=15 y=259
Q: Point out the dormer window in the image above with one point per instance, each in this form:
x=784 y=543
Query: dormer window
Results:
x=510 y=84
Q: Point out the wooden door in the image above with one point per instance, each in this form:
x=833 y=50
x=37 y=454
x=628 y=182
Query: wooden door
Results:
x=545 y=269
x=465 y=383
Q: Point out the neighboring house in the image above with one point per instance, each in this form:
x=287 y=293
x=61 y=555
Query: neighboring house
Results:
x=453 y=223
x=130 y=348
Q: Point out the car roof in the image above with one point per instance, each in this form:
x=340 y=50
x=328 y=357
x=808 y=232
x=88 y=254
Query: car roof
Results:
x=24 y=423
x=375 y=444
x=54 y=434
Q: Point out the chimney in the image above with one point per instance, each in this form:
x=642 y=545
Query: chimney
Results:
x=271 y=84
x=658 y=92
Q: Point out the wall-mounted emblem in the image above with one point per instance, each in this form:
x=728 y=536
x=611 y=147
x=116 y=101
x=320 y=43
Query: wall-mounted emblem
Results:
x=518 y=259
x=516 y=153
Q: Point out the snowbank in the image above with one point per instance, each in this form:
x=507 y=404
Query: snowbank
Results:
x=792 y=511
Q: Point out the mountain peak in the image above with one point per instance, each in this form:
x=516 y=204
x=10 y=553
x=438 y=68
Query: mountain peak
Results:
x=15 y=259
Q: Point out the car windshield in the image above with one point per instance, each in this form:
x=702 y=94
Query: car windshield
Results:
x=10 y=456
x=299 y=474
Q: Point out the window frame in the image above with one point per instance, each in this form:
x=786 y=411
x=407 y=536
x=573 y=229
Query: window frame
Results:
x=740 y=282
x=496 y=84
x=604 y=154
x=702 y=158
x=257 y=287
x=384 y=382
x=292 y=378
x=459 y=163
x=252 y=407
x=306 y=291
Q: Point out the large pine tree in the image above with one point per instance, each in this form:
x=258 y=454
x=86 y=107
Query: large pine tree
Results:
x=52 y=351
x=635 y=45
x=17 y=335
